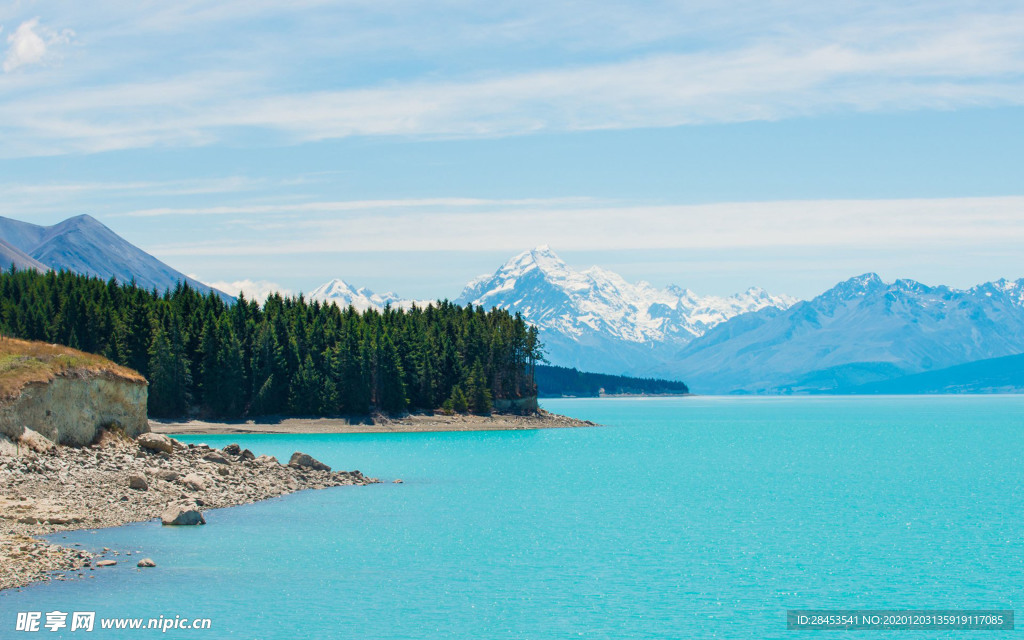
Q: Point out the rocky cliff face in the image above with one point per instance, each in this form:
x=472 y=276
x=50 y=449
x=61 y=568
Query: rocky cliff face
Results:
x=72 y=409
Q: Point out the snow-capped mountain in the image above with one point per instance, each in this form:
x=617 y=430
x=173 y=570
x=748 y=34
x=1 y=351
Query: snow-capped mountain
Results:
x=344 y=295
x=596 y=320
x=84 y=245
x=860 y=331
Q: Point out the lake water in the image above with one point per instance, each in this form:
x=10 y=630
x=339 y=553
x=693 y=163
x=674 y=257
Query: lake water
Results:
x=681 y=518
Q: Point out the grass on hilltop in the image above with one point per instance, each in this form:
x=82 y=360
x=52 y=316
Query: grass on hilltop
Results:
x=23 y=362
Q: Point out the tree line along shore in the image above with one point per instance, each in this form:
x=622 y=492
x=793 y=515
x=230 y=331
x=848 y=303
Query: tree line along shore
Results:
x=286 y=357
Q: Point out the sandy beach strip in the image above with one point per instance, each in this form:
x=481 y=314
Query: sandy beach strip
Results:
x=373 y=424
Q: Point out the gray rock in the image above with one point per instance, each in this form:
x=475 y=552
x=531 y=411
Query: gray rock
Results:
x=247 y=455
x=136 y=481
x=193 y=482
x=146 y=562
x=303 y=460
x=182 y=514
x=167 y=475
x=217 y=457
x=266 y=460
x=106 y=563
x=63 y=520
x=156 y=442
x=35 y=442
x=232 y=449
x=7 y=446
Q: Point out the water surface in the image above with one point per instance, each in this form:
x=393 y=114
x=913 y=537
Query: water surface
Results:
x=681 y=518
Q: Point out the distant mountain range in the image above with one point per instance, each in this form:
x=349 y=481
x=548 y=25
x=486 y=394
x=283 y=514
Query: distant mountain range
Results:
x=345 y=295
x=849 y=339
x=593 y=320
x=597 y=321
x=861 y=336
x=859 y=332
x=84 y=245
x=992 y=375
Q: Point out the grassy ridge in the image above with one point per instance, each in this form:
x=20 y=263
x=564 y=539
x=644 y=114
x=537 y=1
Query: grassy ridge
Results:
x=23 y=362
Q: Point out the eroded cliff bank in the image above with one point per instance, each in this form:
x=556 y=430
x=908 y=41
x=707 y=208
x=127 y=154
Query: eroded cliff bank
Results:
x=65 y=395
x=76 y=452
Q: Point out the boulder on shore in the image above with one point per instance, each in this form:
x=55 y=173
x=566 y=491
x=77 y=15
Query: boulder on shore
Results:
x=182 y=514
x=194 y=482
x=300 y=460
x=156 y=442
x=168 y=475
x=217 y=457
x=138 y=481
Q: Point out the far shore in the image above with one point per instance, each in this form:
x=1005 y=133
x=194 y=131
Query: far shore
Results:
x=371 y=424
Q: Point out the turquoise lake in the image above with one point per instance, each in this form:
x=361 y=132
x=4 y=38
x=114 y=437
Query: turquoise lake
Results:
x=680 y=518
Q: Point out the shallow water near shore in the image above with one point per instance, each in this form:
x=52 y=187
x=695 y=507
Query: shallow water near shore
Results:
x=681 y=518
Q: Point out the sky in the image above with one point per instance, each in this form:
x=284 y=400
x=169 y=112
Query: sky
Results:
x=411 y=146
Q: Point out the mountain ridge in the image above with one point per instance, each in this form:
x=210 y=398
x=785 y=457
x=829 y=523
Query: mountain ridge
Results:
x=860 y=324
x=592 y=319
x=85 y=245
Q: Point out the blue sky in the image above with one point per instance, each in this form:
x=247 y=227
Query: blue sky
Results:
x=412 y=146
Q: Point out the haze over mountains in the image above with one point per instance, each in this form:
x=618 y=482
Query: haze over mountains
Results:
x=861 y=331
x=84 y=245
x=593 y=319
x=861 y=336
x=345 y=295
x=597 y=321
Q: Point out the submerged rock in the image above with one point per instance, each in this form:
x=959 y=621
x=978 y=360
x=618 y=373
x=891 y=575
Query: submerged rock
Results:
x=300 y=459
x=106 y=563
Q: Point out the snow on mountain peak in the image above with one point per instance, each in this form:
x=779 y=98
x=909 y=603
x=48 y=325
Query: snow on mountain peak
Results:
x=541 y=258
x=344 y=295
x=555 y=297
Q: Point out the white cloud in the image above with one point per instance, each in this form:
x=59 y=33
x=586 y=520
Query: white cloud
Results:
x=257 y=290
x=897 y=225
x=336 y=206
x=31 y=43
x=967 y=61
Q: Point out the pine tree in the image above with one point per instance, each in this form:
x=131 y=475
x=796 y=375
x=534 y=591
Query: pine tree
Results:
x=306 y=395
x=478 y=391
x=168 y=374
x=286 y=355
x=456 y=402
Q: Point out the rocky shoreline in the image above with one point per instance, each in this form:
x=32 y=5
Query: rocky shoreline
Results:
x=120 y=480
